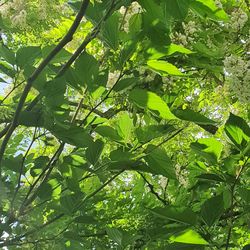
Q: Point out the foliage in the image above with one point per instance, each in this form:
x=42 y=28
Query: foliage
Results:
x=124 y=124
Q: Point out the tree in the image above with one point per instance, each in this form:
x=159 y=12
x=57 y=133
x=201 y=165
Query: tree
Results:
x=124 y=124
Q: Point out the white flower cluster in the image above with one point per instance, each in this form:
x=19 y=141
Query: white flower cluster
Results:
x=190 y=29
x=238 y=20
x=237 y=71
x=134 y=8
x=15 y=11
x=112 y=78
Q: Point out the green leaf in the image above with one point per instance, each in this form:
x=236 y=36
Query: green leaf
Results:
x=28 y=55
x=173 y=48
x=94 y=151
x=208 y=148
x=108 y=132
x=148 y=133
x=150 y=100
x=181 y=215
x=208 y=9
x=124 y=84
x=164 y=68
x=192 y=116
x=87 y=69
x=189 y=237
x=159 y=162
x=73 y=135
x=13 y=163
x=110 y=31
x=7 y=54
x=212 y=177
x=115 y=235
x=39 y=164
x=120 y=155
x=50 y=189
x=245 y=194
x=237 y=130
x=125 y=126
x=85 y=219
x=212 y=210
x=32 y=118
x=177 y=8
x=159 y=52
x=69 y=202
x=61 y=57
x=6 y=69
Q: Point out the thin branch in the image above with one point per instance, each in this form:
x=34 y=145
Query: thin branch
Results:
x=152 y=190
x=232 y=202
x=66 y=39
x=105 y=98
x=21 y=168
x=11 y=91
x=98 y=190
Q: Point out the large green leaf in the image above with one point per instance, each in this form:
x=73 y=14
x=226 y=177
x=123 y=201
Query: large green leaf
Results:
x=189 y=237
x=177 y=8
x=73 y=135
x=150 y=100
x=208 y=148
x=50 y=189
x=148 y=133
x=13 y=163
x=159 y=162
x=192 y=116
x=94 y=151
x=28 y=55
x=181 y=215
x=208 y=9
x=126 y=83
x=87 y=69
x=157 y=52
x=164 y=68
x=110 y=31
x=212 y=210
x=7 y=54
x=237 y=130
x=108 y=132
x=125 y=126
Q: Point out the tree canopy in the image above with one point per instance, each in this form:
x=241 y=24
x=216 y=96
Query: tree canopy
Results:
x=125 y=124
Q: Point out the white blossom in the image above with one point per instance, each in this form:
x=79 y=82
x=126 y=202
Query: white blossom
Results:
x=238 y=20
x=237 y=72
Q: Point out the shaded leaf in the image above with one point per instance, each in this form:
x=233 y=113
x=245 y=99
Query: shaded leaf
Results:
x=159 y=162
x=185 y=216
x=94 y=151
x=212 y=209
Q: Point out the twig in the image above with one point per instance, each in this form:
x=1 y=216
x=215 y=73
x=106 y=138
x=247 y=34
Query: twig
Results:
x=11 y=91
x=21 y=168
x=152 y=190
